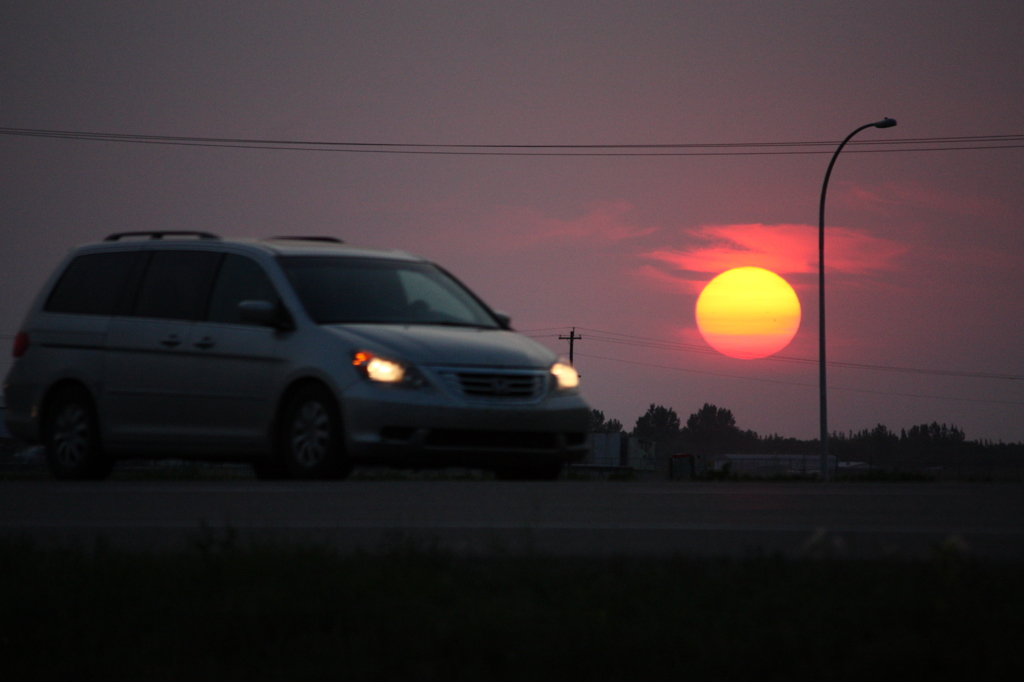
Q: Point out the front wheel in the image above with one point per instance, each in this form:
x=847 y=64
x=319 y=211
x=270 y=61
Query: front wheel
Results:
x=71 y=434
x=311 y=441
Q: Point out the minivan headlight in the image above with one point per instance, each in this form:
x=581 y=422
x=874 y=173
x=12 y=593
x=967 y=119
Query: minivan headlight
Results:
x=385 y=371
x=565 y=376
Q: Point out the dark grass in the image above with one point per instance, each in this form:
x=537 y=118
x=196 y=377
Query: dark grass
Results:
x=219 y=612
x=14 y=469
x=204 y=471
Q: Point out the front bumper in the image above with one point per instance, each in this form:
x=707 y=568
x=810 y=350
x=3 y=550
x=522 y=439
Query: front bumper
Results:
x=21 y=412
x=423 y=428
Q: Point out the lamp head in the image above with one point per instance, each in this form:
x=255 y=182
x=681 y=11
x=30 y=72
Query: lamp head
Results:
x=886 y=123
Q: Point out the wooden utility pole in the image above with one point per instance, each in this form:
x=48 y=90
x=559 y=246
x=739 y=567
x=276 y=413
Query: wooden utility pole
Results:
x=572 y=337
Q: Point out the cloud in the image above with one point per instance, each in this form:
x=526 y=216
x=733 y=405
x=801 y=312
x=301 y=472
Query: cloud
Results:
x=673 y=282
x=603 y=222
x=443 y=230
x=784 y=249
x=891 y=197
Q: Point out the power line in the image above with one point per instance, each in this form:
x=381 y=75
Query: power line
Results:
x=796 y=383
x=951 y=143
x=829 y=143
x=38 y=132
x=660 y=344
x=647 y=342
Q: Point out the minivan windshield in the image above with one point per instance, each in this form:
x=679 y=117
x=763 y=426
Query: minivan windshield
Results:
x=337 y=290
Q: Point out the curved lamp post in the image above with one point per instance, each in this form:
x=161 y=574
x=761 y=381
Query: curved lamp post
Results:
x=884 y=123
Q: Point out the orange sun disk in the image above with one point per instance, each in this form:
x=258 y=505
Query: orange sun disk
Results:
x=748 y=313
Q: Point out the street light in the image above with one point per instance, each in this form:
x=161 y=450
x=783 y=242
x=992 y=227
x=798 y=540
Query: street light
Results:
x=884 y=123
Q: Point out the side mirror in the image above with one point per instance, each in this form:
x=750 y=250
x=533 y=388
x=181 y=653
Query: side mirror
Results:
x=263 y=313
x=503 y=319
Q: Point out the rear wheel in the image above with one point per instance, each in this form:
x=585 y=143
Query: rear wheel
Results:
x=71 y=434
x=311 y=440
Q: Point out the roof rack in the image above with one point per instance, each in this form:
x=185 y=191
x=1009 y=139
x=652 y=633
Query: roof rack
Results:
x=161 y=234
x=330 y=240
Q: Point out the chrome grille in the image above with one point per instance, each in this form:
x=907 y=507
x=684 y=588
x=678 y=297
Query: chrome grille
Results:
x=521 y=385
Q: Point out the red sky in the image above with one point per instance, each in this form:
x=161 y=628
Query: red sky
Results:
x=924 y=249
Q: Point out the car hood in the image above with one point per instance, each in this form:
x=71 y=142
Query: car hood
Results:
x=439 y=345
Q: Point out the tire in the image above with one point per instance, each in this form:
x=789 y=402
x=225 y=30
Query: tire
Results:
x=71 y=435
x=311 y=440
x=543 y=471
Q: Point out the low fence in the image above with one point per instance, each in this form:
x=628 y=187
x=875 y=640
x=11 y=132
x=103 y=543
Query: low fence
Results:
x=771 y=465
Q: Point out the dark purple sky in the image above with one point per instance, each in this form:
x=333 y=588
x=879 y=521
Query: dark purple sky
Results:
x=924 y=259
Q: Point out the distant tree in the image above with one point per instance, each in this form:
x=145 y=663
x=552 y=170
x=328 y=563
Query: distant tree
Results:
x=883 y=444
x=599 y=425
x=877 y=446
x=711 y=418
x=929 y=441
x=659 y=423
x=713 y=430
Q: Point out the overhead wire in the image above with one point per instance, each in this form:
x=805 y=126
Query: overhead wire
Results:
x=801 y=384
x=948 y=143
x=648 y=342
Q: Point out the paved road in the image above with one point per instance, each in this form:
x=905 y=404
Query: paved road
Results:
x=563 y=517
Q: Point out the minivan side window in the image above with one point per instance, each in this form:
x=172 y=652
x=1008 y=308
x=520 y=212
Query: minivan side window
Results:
x=240 y=279
x=177 y=284
x=92 y=284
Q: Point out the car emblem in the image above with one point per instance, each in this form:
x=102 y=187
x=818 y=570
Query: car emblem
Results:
x=499 y=385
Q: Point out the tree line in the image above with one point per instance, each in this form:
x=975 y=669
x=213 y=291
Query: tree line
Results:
x=712 y=430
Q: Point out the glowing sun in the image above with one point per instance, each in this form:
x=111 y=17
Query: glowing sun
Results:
x=748 y=313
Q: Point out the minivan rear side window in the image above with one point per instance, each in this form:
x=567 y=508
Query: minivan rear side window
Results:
x=92 y=284
x=177 y=285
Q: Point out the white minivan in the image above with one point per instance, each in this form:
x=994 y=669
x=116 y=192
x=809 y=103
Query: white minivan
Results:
x=304 y=356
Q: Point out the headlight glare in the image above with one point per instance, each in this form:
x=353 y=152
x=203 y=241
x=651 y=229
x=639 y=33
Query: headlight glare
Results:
x=565 y=376
x=385 y=371
x=379 y=369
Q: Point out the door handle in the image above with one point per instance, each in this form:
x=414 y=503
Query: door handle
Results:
x=171 y=341
x=205 y=342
